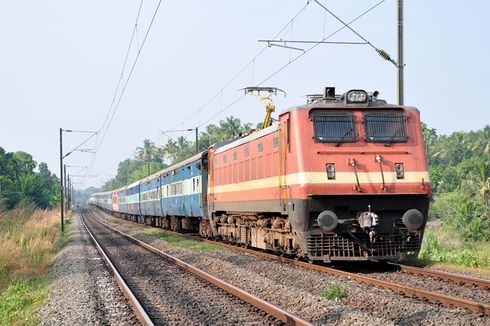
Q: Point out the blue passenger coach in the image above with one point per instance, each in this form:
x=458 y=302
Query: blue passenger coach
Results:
x=150 y=195
x=173 y=198
x=182 y=188
x=120 y=195
x=133 y=199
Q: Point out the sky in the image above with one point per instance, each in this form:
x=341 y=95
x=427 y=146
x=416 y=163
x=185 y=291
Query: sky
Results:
x=60 y=63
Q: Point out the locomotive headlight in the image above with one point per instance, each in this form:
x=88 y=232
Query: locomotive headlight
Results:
x=356 y=96
x=330 y=171
x=327 y=221
x=413 y=219
x=400 y=170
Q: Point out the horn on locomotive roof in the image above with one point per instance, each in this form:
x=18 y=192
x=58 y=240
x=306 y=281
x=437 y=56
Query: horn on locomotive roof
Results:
x=265 y=100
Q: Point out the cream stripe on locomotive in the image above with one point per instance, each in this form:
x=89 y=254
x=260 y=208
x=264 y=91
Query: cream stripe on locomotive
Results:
x=321 y=178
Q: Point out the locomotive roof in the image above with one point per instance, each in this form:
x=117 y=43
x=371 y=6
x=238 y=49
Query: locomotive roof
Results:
x=248 y=138
x=372 y=105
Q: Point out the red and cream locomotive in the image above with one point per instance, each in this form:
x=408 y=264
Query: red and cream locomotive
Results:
x=340 y=178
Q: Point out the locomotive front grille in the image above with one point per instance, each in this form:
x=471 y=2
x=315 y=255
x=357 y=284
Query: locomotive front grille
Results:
x=343 y=247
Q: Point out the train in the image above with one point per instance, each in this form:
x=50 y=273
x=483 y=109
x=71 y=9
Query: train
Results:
x=339 y=178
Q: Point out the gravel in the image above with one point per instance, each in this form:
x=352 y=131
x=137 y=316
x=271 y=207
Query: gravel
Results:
x=169 y=294
x=84 y=292
x=300 y=290
x=435 y=285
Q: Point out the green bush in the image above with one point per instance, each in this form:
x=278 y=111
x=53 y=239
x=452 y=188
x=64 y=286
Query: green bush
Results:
x=465 y=254
x=20 y=300
x=477 y=229
x=335 y=292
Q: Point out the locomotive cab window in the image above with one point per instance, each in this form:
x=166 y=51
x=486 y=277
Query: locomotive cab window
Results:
x=385 y=127
x=333 y=127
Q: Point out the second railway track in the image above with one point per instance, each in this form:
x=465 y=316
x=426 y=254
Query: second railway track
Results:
x=173 y=292
x=474 y=299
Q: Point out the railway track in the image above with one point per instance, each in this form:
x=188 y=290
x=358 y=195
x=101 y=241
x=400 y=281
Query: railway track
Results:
x=421 y=293
x=138 y=309
x=459 y=279
x=171 y=291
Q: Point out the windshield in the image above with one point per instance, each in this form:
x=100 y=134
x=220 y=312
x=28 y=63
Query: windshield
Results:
x=334 y=127
x=385 y=127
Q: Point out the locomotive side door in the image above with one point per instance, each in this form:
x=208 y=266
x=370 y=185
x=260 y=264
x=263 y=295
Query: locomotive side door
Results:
x=283 y=137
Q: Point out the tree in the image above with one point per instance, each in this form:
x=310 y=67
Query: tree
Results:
x=20 y=182
x=148 y=152
x=460 y=174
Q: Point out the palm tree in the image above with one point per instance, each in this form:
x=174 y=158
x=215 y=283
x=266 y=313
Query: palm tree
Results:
x=147 y=152
x=230 y=127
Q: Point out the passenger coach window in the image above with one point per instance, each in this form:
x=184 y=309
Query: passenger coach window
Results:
x=334 y=127
x=385 y=127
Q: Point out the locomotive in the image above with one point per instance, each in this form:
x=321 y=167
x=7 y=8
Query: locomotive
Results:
x=341 y=178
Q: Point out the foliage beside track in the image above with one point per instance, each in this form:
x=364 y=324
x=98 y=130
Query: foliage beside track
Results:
x=442 y=245
x=335 y=292
x=460 y=176
x=19 y=182
x=29 y=238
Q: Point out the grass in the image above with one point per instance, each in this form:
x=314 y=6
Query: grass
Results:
x=335 y=292
x=174 y=240
x=443 y=247
x=19 y=301
x=29 y=238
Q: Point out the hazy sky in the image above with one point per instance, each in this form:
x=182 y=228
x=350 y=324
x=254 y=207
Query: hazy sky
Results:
x=60 y=62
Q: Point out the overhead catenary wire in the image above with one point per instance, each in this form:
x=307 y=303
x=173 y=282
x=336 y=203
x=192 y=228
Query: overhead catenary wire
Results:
x=320 y=42
x=121 y=75
x=113 y=108
x=382 y=53
x=239 y=73
x=130 y=72
x=80 y=145
x=294 y=59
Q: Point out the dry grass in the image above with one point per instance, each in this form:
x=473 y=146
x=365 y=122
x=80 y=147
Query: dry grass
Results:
x=29 y=238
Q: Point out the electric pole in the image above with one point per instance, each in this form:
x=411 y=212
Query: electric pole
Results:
x=64 y=187
x=61 y=181
x=400 y=53
x=68 y=202
x=197 y=141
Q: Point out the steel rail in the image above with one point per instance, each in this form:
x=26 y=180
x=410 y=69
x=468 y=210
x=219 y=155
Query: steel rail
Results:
x=273 y=310
x=461 y=279
x=135 y=304
x=413 y=292
x=409 y=291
